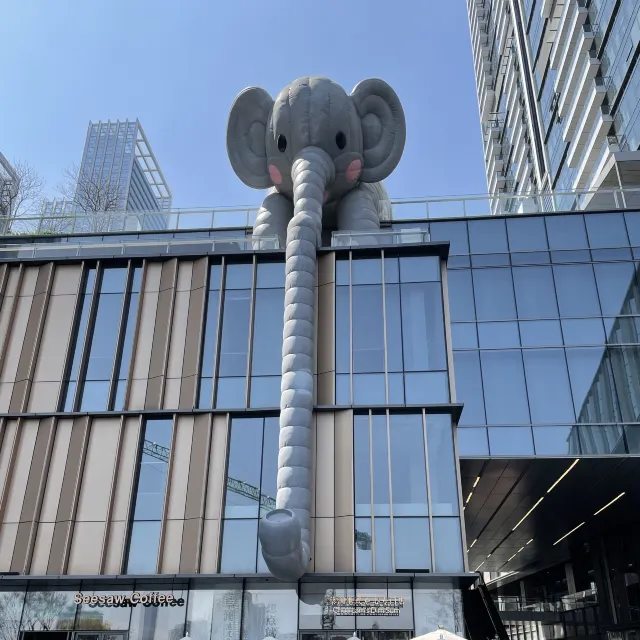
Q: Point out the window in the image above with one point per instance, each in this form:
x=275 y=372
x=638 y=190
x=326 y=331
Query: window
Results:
x=149 y=498
x=494 y=294
x=210 y=338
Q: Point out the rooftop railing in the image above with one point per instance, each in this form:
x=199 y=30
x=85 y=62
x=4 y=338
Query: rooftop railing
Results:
x=403 y=209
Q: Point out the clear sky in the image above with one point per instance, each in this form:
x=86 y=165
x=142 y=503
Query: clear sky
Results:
x=177 y=65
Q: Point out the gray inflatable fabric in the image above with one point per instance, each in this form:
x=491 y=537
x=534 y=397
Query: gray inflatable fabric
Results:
x=322 y=153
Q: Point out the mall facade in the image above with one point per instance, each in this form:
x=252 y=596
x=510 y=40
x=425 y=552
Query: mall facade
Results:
x=477 y=389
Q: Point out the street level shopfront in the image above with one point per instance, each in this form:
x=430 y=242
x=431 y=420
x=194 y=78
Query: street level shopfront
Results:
x=230 y=607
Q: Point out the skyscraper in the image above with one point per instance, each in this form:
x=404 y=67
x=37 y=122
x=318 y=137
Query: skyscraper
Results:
x=118 y=172
x=557 y=91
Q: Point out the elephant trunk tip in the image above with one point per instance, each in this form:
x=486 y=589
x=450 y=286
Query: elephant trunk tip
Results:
x=283 y=548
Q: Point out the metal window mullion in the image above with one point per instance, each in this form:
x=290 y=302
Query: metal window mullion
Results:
x=167 y=489
x=252 y=309
x=124 y=315
x=203 y=328
x=373 y=527
x=218 y=346
x=87 y=338
x=456 y=461
x=393 y=551
x=384 y=332
x=263 y=428
x=167 y=344
x=350 y=333
x=444 y=292
x=430 y=514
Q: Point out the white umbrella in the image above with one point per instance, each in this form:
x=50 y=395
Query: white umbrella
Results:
x=440 y=634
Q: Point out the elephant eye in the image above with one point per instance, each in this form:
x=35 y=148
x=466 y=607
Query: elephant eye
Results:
x=282 y=143
x=341 y=140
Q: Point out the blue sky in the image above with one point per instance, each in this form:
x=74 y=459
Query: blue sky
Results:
x=177 y=66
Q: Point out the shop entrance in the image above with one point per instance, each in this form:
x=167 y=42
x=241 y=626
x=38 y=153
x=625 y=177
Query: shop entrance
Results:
x=74 y=635
x=368 y=634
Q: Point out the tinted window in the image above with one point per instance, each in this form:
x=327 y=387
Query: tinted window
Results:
x=540 y=333
x=535 y=294
x=488 y=236
x=361 y=460
x=494 y=294
x=453 y=232
x=270 y=275
x=419 y=269
x=235 y=333
x=239 y=546
x=583 y=331
x=632 y=218
x=615 y=281
x=447 y=542
x=343 y=341
x=343 y=276
x=606 y=230
x=366 y=271
x=551 y=441
x=566 y=232
x=368 y=329
x=469 y=386
x=527 y=234
x=394 y=327
x=510 y=441
x=442 y=466
x=381 y=465
x=411 y=539
x=496 y=335
x=368 y=389
x=426 y=388
x=504 y=387
x=464 y=335
x=239 y=276
x=472 y=441
x=267 y=332
x=461 y=304
x=576 y=287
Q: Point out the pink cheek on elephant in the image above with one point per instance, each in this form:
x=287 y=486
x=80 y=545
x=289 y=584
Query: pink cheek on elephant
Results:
x=353 y=170
x=325 y=197
x=275 y=175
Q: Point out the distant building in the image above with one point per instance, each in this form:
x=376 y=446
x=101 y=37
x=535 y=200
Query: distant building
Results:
x=9 y=182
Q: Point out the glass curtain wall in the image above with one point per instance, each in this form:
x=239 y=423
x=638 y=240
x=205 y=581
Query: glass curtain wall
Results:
x=405 y=493
x=390 y=339
x=545 y=314
x=97 y=373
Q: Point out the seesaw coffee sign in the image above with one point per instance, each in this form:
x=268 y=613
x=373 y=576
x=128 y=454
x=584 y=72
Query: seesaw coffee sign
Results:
x=134 y=599
x=365 y=606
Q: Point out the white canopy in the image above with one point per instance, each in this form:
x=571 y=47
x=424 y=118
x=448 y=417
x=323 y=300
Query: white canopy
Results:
x=440 y=634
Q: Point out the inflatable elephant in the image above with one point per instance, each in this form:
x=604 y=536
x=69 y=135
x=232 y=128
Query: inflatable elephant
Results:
x=323 y=153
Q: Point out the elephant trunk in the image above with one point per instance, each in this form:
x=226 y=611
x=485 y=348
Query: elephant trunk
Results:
x=285 y=531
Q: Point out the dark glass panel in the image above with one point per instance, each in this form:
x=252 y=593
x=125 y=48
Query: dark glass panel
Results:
x=215 y=276
x=551 y=441
x=472 y=441
x=361 y=465
x=632 y=218
x=491 y=260
x=408 y=467
x=270 y=275
x=540 y=333
x=423 y=327
x=548 y=386
x=611 y=255
x=606 y=230
x=504 y=387
x=426 y=387
x=633 y=438
x=527 y=234
x=498 y=335
x=625 y=364
x=368 y=329
x=447 y=542
x=383 y=544
x=411 y=539
x=231 y=393
x=468 y=381
x=576 y=288
x=453 y=232
x=582 y=255
x=494 y=294
x=488 y=236
x=442 y=466
x=420 y=269
x=394 y=327
x=104 y=337
x=566 y=232
x=364 y=547
x=368 y=389
x=583 y=331
x=127 y=341
x=391 y=270
x=235 y=333
x=458 y=262
x=380 y=464
x=464 y=335
x=108 y=617
x=366 y=271
x=265 y=392
x=534 y=257
x=343 y=276
x=267 y=332
x=460 y=289
x=510 y=441
x=239 y=276
x=616 y=283
x=239 y=546
x=535 y=295
x=343 y=343
x=245 y=459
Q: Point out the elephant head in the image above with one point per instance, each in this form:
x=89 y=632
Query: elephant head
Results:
x=316 y=146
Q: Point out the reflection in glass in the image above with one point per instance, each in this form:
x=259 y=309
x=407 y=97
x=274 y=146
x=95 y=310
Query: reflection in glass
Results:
x=442 y=466
x=368 y=389
x=606 y=230
x=239 y=546
x=267 y=332
x=343 y=276
x=391 y=270
x=527 y=234
x=472 y=441
x=364 y=548
x=464 y=335
x=460 y=289
x=210 y=340
x=159 y=623
x=447 y=542
x=343 y=341
x=366 y=271
x=313 y=612
x=44 y=610
x=231 y=393
x=504 y=387
x=143 y=547
x=616 y=284
x=361 y=461
x=426 y=388
x=235 y=333
x=602 y=439
x=576 y=287
x=408 y=467
x=214 y=613
x=566 y=232
x=343 y=389
x=382 y=528
x=535 y=294
x=368 y=329
x=239 y=276
x=468 y=379
x=510 y=441
x=11 y=604
x=583 y=332
x=95 y=396
x=394 y=328
x=215 y=277
x=453 y=232
x=494 y=294
x=411 y=539
x=419 y=269
x=265 y=392
x=269 y=476
x=488 y=236
x=269 y=611
x=403 y=621
x=271 y=275
x=550 y=441
x=434 y=607
x=102 y=618
x=380 y=458
x=395 y=387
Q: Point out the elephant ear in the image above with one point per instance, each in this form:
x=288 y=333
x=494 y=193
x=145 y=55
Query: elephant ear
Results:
x=246 y=137
x=383 y=128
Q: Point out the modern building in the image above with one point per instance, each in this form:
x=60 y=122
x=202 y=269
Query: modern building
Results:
x=557 y=91
x=119 y=172
x=476 y=411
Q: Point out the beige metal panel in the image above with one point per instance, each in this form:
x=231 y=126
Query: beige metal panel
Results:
x=8 y=533
x=185 y=273
x=188 y=388
x=43 y=397
x=210 y=547
x=199 y=467
x=7 y=446
x=344 y=544
x=16 y=338
x=326 y=268
x=344 y=464
x=56 y=471
x=152 y=276
x=12 y=282
x=126 y=469
x=17 y=397
x=59 y=548
x=172 y=545
x=137 y=394
x=28 y=285
x=161 y=333
x=115 y=548
x=45 y=279
x=217 y=467
x=325 y=466
x=55 y=338
x=178 y=334
x=6 y=389
x=324 y=545
x=95 y=489
x=169 y=274
x=191 y=545
x=192 y=343
x=144 y=337
x=181 y=457
x=86 y=547
x=66 y=280
x=200 y=273
x=153 y=396
x=171 y=398
x=325 y=388
x=13 y=491
x=42 y=549
x=6 y=313
x=326 y=329
x=314 y=466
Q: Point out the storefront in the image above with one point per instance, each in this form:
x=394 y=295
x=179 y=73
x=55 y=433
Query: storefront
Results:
x=322 y=607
